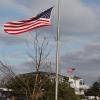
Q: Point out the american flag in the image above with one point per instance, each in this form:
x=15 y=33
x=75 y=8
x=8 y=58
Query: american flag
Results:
x=17 y=27
x=70 y=70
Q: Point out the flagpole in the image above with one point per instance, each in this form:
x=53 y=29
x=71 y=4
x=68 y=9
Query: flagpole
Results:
x=57 y=51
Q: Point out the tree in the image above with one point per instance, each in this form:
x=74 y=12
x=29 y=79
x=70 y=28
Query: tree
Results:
x=10 y=76
x=37 y=86
x=39 y=59
x=66 y=92
x=47 y=87
x=94 y=89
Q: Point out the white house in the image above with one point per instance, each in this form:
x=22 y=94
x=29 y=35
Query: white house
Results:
x=78 y=84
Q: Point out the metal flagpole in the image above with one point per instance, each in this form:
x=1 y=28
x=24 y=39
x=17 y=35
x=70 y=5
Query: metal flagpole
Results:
x=57 y=51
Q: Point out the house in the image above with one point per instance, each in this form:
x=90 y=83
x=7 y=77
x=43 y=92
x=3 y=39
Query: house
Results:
x=74 y=82
x=78 y=84
x=4 y=93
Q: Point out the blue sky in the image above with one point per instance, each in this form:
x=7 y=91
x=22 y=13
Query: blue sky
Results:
x=91 y=1
x=79 y=31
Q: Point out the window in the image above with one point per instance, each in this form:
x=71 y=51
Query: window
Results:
x=81 y=82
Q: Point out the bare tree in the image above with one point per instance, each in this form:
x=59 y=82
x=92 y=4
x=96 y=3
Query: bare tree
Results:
x=39 y=59
x=9 y=74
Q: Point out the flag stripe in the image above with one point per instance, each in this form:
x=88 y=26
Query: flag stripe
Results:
x=20 y=22
x=16 y=27
x=25 y=27
x=16 y=24
x=25 y=24
x=31 y=28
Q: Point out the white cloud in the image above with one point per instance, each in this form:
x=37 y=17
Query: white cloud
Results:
x=76 y=17
x=86 y=61
x=12 y=4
